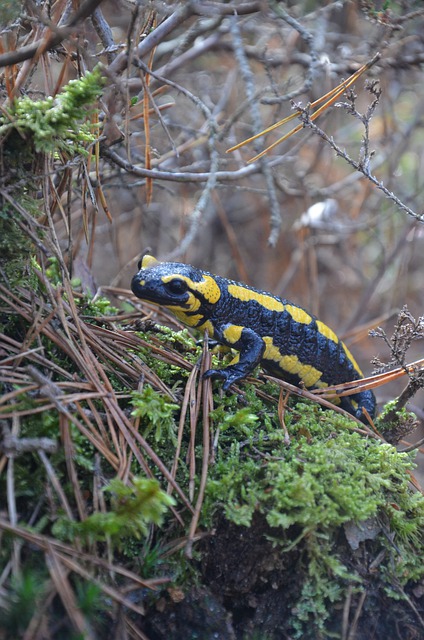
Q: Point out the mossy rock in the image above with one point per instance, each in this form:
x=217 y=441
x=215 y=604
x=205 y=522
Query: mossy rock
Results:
x=313 y=538
x=301 y=536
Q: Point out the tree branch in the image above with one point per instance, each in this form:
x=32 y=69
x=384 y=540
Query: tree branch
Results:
x=52 y=41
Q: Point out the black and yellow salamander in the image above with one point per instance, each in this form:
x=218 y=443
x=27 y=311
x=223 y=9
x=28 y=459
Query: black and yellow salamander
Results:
x=286 y=340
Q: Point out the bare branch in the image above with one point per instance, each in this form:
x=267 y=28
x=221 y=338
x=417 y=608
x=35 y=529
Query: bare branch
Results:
x=53 y=40
x=308 y=123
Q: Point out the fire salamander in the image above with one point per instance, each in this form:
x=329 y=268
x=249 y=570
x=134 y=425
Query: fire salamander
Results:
x=286 y=340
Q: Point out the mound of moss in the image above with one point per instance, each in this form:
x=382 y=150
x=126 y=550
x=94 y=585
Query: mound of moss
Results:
x=302 y=535
x=313 y=536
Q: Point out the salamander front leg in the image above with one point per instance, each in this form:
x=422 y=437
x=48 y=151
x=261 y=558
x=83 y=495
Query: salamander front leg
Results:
x=251 y=348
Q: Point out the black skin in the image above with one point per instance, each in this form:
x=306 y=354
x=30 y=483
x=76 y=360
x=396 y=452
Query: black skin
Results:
x=252 y=348
x=177 y=286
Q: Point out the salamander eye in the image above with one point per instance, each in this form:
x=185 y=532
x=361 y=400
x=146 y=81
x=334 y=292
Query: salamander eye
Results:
x=176 y=286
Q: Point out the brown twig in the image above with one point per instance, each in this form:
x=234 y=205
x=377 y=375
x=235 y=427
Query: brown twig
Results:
x=51 y=40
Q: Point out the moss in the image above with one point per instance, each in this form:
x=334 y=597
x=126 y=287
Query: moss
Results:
x=26 y=594
x=15 y=249
x=177 y=339
x=9 y=11
x=20 y=604
x=28 y=127
x=55 y=123
x=132 y=508
x=395 y=423
x=303 y=494
x=328 y=476
x=156 y=412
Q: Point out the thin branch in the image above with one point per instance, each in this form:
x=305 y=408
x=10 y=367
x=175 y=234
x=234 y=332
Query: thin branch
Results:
x=358 y=166
x=154 y=38
x=105 y=34
x=187 y=176
x=249 y=82
x=313 y=55
x=52 y=41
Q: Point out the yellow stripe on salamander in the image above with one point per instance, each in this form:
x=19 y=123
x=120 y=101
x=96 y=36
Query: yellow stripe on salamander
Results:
x=246 y=295
x=352 y=360
x=192 y=304
x=291 y=364
x=326 y=331
x=148 y=261
x=207 y=326
x=191 y=320
x=298 y=314
x=232 y=333
x=269 y=302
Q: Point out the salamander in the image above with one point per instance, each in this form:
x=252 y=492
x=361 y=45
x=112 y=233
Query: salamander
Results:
x=282 y=337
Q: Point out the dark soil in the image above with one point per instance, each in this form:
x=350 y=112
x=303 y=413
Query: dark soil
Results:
x=248 y=590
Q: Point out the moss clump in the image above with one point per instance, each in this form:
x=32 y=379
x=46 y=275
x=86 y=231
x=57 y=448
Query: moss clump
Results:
x=25 y=597
x=16 y=248
x=329 y=476
x=132 y=508
x=156 y=412
x=20 y=604
x=284 y=560
x=59 y=123
x=300 y=505
x=9 y=11
x=395 y=423
x=28 y=127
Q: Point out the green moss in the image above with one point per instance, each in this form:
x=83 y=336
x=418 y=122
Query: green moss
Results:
x=306 y=492
x=395 y=423
x=99 y=306
x=132 y=508
x=9 y=11
x=27 y=127
x=328 y=476
x=16 y=248
x=56 y=123
x=20 y=604
x=91 y=601
x=178 y=339
x=173 y=376
x=156 y=412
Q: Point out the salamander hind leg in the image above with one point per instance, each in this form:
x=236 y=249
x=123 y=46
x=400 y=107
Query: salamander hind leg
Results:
x=354 y=405
x=366 y=400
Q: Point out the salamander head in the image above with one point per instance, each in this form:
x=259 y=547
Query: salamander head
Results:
x=180 y=287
